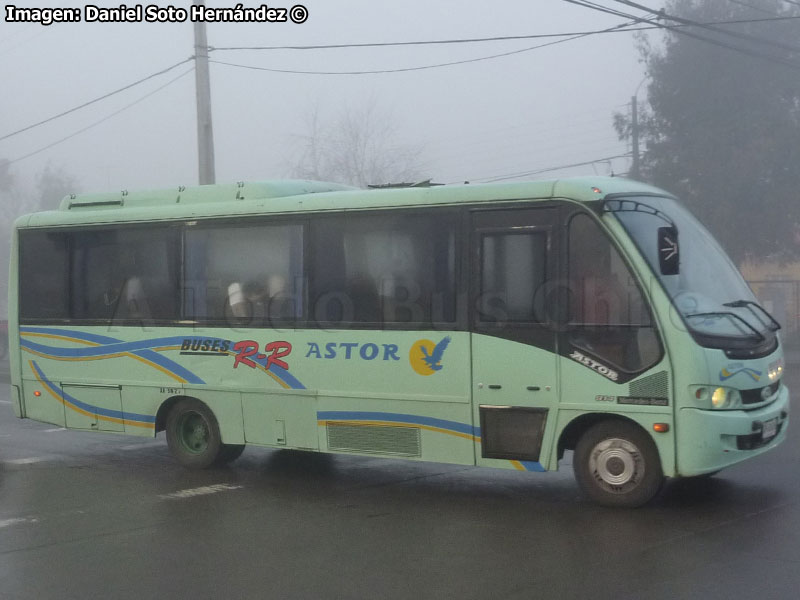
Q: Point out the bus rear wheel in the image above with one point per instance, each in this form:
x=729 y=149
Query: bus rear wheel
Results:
x=616 y=463
x=193 y=434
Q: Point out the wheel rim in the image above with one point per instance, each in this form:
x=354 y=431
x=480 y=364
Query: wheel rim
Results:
x=193 y=432
x=617 y=465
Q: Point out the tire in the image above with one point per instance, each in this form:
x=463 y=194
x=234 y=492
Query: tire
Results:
x=616 y=463
x=193 y=434
x=229 y=453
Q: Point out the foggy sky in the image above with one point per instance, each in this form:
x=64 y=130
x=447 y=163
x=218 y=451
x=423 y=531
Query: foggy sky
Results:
x=529 y=111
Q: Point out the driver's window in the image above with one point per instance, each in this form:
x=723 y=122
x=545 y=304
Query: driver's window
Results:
x=609 y=317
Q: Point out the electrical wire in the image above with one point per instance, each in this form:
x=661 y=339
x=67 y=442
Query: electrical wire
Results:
x=485 y=39
x=90 y=102
x=549 y=169
x=749 y=52
x=568 y=37
x=504 y=38
x=103 y=120
x=736 y=34
x=601 y=8
x=420 y=68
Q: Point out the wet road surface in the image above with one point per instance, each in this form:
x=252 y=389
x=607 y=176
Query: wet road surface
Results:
x=102 y=516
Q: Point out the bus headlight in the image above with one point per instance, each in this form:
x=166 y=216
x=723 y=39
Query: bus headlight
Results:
x=719 y=398
x=775 y=369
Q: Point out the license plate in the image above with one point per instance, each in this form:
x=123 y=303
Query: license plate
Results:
x=770 y=429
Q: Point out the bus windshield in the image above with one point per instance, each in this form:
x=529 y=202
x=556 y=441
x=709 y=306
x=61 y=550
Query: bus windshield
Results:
x=708 y=291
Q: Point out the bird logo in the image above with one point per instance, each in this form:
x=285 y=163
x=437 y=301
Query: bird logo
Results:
x=426 y=357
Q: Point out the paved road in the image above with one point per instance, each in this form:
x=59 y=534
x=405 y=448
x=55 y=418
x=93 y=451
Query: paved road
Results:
x=104 y=516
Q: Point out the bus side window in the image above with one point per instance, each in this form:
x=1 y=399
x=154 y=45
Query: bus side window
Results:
x=608 y=315
x=124 y=274
x=512 y=277
x=244 y=275
x=397 y=269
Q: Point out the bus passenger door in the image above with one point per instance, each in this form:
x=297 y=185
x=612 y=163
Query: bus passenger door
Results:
x=515 y=386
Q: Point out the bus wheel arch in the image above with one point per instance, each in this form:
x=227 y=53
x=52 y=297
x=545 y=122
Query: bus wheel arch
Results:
x=163 y=411
x=575 y=429
x=616 y=462
x=193 y=434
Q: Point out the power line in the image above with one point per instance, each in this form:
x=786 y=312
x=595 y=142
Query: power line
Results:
x=487 y=39
x=549 y=169
x=749 y=52
x=504 y=38
x=420 y=68
x=603 y=9
x=90 y=102
x=103 y=120
x=736 y=34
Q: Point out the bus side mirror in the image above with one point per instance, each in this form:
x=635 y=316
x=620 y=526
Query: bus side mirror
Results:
x=669 y=256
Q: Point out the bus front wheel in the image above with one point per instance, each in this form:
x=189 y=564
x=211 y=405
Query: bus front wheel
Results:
x=616 y=463
x=193 y=434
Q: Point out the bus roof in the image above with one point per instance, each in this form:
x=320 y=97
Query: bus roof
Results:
x=297 y=196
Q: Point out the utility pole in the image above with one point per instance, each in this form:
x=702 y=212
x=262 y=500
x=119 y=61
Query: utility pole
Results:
x=205 y=132
x=634 y=171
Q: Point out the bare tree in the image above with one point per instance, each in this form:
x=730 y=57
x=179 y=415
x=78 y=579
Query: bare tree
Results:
x=358 y=147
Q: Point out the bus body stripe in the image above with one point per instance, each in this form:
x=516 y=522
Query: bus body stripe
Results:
x=90 y=410
x=145 y=351
x=109 y=348
x=528 y=465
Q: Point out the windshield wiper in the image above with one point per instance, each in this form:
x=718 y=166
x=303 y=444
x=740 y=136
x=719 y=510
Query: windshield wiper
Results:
x=772 y=325
x=734 y=318
x=614 y=205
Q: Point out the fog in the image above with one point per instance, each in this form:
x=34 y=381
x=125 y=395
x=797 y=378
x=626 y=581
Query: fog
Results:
x=533 y=110
x=529 y=111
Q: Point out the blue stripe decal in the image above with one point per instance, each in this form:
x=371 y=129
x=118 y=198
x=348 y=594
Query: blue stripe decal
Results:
x=281 y=374
x=141 y=348
x=532 y=466
x=81 y=335
x=106 y=412
x=110 y=348
x=340 y=415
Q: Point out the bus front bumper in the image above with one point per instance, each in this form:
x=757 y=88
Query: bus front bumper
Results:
x=710 y=440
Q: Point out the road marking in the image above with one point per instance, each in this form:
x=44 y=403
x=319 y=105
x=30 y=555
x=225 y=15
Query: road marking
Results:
x=201 y=491
x=52 y=430
x=26 y=461
x=10 y=522
x=140 y=446
x=5 y=401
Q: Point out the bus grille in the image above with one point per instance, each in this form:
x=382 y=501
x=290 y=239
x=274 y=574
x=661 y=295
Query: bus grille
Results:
x=652 y=386
x=374 y=439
